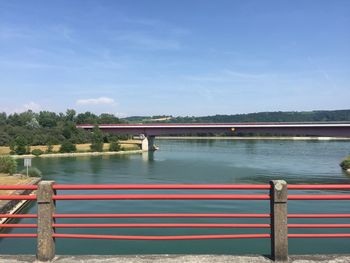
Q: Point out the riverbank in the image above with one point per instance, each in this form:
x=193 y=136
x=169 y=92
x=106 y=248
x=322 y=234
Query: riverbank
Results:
x=304 y=138
x=85 y=147
x=14 y=206
x=77 y=154
x=128 y=147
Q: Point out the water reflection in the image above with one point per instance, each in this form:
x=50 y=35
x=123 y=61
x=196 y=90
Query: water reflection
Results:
x=250 y=146
x=148 y=157
x=96 y=165
x=347 y=174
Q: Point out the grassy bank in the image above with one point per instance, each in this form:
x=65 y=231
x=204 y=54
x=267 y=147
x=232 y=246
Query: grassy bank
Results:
x=18 y=179
x=129 y=145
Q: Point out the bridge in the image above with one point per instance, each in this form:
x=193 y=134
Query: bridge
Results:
x=148 y=131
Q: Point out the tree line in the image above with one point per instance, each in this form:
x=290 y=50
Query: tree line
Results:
x=277 y=116
x=20 y=130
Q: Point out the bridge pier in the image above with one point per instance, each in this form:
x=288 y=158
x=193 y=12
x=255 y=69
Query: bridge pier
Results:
x=148 y=143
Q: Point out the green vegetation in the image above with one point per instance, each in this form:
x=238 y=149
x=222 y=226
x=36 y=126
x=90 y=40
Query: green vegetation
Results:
x=345 y=164
x=68 y=147
x=37 y=152
x=97 y=140
x=32 y=172
x=278 y=116
x=114 y=146
x=21 y=130
x=20 y=146
x=8 y=165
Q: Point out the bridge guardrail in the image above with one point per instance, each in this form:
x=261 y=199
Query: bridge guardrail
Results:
x=277 y=195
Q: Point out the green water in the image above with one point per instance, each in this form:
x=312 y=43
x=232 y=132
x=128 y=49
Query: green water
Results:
x=202 y=162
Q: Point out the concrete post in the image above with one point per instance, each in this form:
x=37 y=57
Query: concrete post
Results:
x=46 y=208
x=144 y=144
x=279 y=224
x=147 y=143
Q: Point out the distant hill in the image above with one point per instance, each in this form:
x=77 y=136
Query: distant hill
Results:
x=278 y=116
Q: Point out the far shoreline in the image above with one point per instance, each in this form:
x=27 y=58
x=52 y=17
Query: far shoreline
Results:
x=292 y=138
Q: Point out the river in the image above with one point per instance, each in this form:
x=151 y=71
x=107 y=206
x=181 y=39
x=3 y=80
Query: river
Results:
x=196 y=162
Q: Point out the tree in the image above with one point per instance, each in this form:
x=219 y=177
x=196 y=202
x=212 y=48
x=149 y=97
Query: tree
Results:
x=68 y=129
x=4 y=138
x=39 y=138
x=20 y=119
x=114 y=146
x=15 y=120
x=33 y=123
x=86 y=118
x=8 y=165
x=70 y=115
x=20 y=146
x=68 y=147
x=97 y=140
x=106 y=118
x=47 y=119
x=3 y=118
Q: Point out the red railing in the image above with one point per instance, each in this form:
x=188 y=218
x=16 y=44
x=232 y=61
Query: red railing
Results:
x=178 y=196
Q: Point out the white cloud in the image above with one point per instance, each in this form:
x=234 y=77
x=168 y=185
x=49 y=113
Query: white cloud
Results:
x=97 y=101
x=120 y=114
x=32 y=106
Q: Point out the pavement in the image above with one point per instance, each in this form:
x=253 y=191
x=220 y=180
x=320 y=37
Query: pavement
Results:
x=177 y=259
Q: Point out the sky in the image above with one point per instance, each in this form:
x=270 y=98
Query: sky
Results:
x=174 y=57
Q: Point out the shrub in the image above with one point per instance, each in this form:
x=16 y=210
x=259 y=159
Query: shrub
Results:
x=345 y=164
x=20 y=146
x=68 y=147
x=32 y=172
x=7 y=165
x=20 y=150
x=37 y=152
x=96 y=146
x=114 y=146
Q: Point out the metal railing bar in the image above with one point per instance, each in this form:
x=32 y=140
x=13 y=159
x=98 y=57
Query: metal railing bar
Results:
x=163 y=197
x=181 y=215
x=189 y=237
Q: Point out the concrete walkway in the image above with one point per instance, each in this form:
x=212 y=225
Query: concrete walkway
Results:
x=178 y=259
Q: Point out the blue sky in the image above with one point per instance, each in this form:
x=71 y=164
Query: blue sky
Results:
x=176 y=57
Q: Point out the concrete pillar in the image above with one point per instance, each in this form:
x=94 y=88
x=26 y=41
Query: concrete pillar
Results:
x=147 y=143
x=151 y=146
x=144 y=144
x=279 y=224
x=46 y=208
